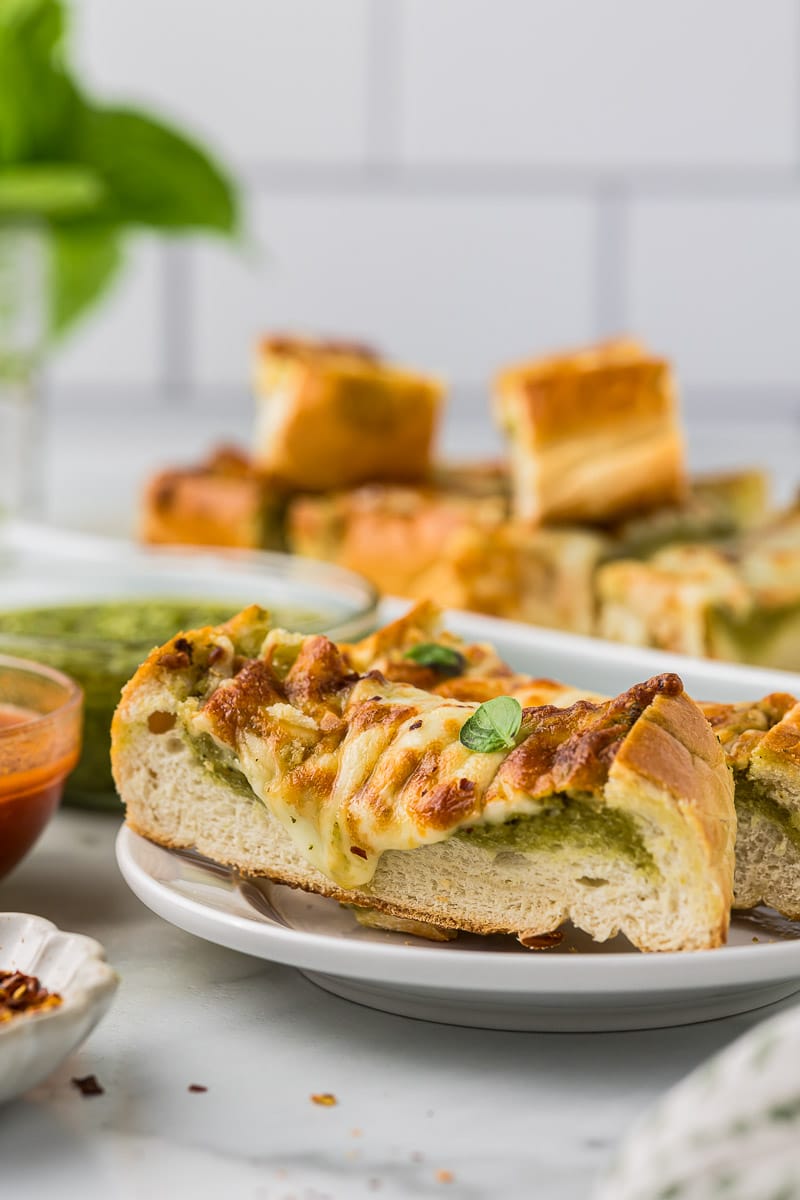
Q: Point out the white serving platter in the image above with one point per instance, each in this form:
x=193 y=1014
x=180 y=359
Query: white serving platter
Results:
x=493 y=982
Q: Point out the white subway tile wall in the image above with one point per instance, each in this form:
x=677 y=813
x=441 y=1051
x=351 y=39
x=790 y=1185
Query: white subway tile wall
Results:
x=465 y=182
x=454 y=284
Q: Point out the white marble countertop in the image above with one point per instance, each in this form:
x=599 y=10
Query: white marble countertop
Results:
x=423 y=1109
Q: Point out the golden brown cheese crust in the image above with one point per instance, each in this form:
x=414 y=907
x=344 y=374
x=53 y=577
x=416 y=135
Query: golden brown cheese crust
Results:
x=370 y=420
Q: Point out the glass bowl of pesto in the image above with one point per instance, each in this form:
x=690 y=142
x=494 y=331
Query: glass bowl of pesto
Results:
x=94 y=608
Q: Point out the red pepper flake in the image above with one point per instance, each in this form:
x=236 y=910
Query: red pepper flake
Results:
x=415 y=725
x=324 y=1099
x=445 y=1177
x=88 y=1086
x=197 y=1087
x=23 y=994
x=357 y=850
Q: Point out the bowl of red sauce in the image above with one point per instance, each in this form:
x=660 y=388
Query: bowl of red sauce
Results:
x=40 y=740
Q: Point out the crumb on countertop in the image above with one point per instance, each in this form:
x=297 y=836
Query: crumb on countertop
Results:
x=88 y=1085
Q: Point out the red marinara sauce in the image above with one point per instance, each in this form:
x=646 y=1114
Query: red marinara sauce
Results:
x=31 y=782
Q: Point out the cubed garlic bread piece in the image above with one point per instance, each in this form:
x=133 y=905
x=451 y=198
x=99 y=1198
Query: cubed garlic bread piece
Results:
x=288 y=763
x=737 y=604
x=539 y=575
x=593 y=435
x=332 y=415
x=457 y=546
x=669 y=601
x=223 y=501
x=393 y=535
x=719 y=507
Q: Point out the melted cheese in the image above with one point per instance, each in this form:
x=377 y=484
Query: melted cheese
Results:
x=398 y=778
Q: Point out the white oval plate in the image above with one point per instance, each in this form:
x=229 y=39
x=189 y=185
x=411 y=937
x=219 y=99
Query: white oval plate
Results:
x=68 y=963
x=493 y=983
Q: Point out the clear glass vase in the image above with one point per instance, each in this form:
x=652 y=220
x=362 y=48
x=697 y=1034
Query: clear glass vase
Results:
x=24 y=323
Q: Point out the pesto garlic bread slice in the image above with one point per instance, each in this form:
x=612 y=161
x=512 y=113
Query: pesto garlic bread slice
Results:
x=276 y=757
x=760 y=740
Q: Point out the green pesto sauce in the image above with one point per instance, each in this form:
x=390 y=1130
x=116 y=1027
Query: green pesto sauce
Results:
x=573 y=825
x=101 y=645
x=750 y=637
x=218 y=763
x=644 y=542
x=149 y=621
x=749 y=795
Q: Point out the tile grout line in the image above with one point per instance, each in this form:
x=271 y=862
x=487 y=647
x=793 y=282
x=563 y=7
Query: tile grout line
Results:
x=397 y=178
x=383 y=82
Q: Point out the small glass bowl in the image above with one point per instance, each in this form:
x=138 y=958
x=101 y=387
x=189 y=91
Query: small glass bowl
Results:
x=35 y=573
x=40 y=742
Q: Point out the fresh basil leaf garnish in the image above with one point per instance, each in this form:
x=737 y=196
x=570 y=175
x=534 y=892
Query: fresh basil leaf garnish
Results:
x=493 y=726
x=443 y=659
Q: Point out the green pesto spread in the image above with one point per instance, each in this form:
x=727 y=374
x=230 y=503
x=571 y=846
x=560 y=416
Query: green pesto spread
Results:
x=749 y=795
x=767 y=637
x=221 y=765
x=101 y=645
x=569 y=824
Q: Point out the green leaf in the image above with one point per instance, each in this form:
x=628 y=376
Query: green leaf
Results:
x=154 y=175
x=443 y=659
x=49 y=190
x=85 y=259
x=38 y=101
x=493 y=726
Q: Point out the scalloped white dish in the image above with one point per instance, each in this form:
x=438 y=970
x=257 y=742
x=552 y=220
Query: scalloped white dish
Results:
x=32 y=1046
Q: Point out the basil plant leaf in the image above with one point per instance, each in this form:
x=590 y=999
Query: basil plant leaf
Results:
x=154 y=175
x=84 y=260
x=493 y=726
x=38 y=100
x=440 y=658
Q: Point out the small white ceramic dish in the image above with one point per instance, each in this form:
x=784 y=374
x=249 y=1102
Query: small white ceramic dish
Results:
x=493 y=982
x=31 y=1046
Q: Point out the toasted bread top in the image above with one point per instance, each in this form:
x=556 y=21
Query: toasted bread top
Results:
x=354 y=764
x=572 y=395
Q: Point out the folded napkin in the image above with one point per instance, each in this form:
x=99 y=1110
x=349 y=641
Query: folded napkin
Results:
x=730 y=1130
